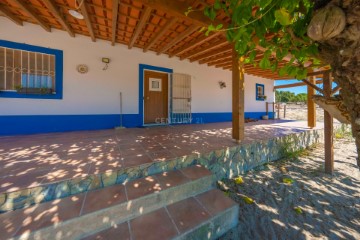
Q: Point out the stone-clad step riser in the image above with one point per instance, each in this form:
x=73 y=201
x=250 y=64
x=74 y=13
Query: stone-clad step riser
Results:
x=26 y=197
x=103 y=219
x=214 y=227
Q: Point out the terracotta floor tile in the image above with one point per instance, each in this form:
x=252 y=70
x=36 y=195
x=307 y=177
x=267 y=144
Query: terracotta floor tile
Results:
x=19 y=181
x=132 y=151
x=215 y=201
x=120 y=231
x=142 y=187
x=162 y=155
x=153 y=226
x=187 y=214
x=171 y=179
x=136 y=160
x=195 y=172
x=10 y=222
x=104 y=198
x=64 y=173
x=51 y=213
x=106 y=166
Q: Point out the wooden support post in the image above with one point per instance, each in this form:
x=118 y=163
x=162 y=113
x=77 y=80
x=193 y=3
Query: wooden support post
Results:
x=273 y=103
x=267 y=108
x=328 y=128
x=278 y=108
x=311 y=104
x=238 y=97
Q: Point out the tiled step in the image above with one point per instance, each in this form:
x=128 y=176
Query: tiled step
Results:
x=205 y=216
x=81 y=214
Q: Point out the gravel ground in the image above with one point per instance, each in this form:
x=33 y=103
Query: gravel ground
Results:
x=329 y=205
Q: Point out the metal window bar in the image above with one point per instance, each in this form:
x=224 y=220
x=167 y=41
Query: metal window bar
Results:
x=181 y=98
x=37 y=77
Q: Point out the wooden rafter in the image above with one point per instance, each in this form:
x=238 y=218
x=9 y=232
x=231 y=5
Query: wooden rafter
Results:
x=85 y=13
x=216 y=62
x=335 y=90
x=295 y=85
x=178 y=9
x=215 y=59
x=178 y=38
x=9 y=15
x=162 y=31
x=50 y=4
x=23 y=6
x=313 y=85
x=194 y=44
x=144 y=18
x=215 y=45
x=114 y=21
x=214 y=53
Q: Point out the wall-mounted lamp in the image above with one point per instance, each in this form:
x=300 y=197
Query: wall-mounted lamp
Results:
x=222 y=84
x=106 y=61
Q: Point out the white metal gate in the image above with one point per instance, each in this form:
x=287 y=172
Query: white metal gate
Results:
x=181 y=98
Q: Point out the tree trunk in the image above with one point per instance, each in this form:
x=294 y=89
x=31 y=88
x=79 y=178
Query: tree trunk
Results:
x=343 y=54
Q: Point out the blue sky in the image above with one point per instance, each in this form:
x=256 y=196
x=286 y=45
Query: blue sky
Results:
x=297 y=90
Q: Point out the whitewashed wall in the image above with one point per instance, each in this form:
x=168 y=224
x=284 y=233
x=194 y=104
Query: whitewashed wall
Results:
x=97 y=92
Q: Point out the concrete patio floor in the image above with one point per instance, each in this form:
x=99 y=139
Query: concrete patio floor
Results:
x=34 y=160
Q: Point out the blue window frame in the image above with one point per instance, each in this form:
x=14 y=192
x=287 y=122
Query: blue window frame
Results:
x=260 y=92
x=33 y=80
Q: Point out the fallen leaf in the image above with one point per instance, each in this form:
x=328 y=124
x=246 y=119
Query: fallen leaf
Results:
x=288 y=180
x=239 y=180
x=298 y=210
x=248 y=200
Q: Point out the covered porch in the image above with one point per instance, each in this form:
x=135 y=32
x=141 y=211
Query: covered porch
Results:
x=35 y=168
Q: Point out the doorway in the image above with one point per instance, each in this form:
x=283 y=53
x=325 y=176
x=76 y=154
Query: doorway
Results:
x=156 y=95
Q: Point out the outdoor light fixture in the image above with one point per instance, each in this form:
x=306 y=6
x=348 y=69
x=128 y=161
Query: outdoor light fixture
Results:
x=74 y=12
x=106 y=61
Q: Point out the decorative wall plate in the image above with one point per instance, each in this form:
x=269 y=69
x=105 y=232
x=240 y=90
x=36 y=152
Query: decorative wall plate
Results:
x=82 y=68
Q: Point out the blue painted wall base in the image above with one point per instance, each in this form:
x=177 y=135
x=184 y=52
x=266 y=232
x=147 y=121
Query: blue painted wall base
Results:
x=17 y=125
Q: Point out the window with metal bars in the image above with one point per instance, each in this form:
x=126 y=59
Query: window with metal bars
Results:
x=29 y=71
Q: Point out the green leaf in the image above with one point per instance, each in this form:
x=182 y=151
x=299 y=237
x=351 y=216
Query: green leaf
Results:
x=264 y=3
x=217 y=5
x=210 y=29
x=301 y=73
x=283 y=17
x=218 y=27
x=265 y=63
x=252 y=56
x=283 y=71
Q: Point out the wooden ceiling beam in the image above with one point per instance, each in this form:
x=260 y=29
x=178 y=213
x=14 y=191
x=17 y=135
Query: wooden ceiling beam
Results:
x=215 y=45
x=178 y=38
x=214 y=59
x=85 y=13
x=295 y=85
x=50 y=4
x=178 y=9
x=223 y=64
x=214 y=53
x=10 y=16
x=146 y=13
x=114 y=20
x=26 y=8
x=213 y=63
x=194 y=44
x=159 y=34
